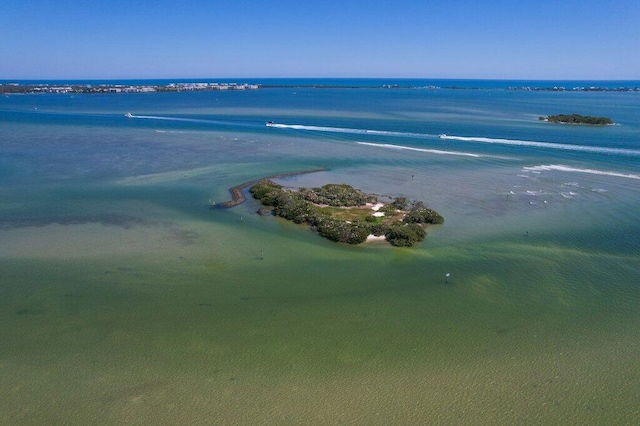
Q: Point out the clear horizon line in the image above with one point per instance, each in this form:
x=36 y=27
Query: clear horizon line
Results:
x=308 y=78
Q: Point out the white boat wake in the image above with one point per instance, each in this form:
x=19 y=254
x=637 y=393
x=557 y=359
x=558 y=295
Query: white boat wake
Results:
x=430 y=151
x=563 y=168
x=551 y=145
x=349 y=130
x=475 y=139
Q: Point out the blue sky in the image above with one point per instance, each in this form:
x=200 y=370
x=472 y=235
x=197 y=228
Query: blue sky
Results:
x=323 y=38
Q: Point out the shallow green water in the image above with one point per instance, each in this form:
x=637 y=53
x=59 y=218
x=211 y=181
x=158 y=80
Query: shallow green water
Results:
x=207 y=317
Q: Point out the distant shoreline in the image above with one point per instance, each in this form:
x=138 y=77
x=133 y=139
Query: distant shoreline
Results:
x=37 y=88
x=62 y=87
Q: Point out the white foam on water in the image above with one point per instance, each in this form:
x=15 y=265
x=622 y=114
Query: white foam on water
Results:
x=563 y=168
x=155 y=117
x=380 y=133
x=430 y=151
x=351 y=131
x=189 y=120
x=515 y=142
x=562 y=146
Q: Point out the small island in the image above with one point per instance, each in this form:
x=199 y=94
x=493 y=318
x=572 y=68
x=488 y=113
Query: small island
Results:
x=577 y=119
x=344 y=214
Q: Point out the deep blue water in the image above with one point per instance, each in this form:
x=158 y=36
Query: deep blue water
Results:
x=491 y=114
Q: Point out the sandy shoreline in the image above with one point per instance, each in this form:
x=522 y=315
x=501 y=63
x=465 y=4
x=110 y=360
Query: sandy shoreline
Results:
x=374 y=238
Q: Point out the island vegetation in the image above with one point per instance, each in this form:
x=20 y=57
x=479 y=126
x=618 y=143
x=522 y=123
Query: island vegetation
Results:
x=577 y=119
x=344 y=214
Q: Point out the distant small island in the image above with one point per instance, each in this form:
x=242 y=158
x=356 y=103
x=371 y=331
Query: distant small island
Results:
x=577 y=119
x=342 y=213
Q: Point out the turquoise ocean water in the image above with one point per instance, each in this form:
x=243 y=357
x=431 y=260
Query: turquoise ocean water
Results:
x=125 y=299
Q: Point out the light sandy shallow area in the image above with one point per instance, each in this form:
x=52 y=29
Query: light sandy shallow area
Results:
x=92 y=240
x=498 y=390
